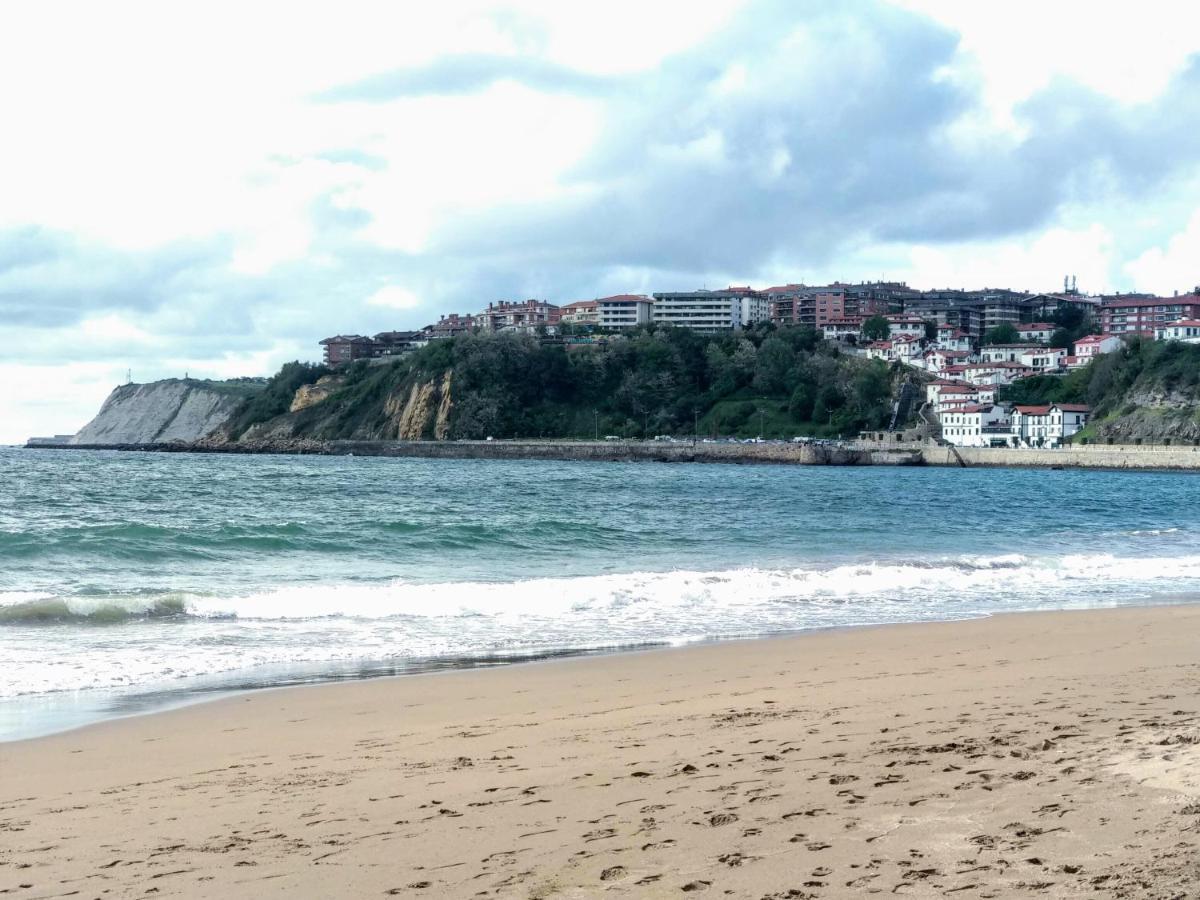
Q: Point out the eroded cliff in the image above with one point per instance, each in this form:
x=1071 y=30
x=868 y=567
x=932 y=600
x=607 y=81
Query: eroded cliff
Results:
x=163 y=411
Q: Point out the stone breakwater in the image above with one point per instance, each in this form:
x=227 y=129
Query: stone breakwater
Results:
x=860 y=454
x=600 y=451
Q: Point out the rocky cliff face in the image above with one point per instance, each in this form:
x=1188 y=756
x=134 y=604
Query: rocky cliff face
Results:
x=159 y=412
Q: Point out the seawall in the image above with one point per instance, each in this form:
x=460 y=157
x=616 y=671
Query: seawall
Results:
x=600 y=451
x=1085 y=457
x=856 y=454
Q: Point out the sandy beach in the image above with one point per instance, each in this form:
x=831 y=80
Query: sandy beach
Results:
x=1053 y=754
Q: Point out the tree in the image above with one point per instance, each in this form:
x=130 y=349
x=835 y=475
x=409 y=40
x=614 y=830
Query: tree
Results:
x=800 y=407
x=876 y=328
x=1004 y=333
x=775 y=360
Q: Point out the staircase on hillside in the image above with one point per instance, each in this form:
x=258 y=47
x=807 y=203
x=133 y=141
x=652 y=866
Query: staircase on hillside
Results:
x=902 y=408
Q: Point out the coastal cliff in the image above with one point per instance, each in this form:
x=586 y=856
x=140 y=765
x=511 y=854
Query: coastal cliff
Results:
x=172 y=410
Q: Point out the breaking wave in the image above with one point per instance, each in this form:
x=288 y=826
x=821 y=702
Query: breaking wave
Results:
x=1015 y=579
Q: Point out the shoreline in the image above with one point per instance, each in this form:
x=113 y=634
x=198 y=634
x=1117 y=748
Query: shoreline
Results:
x=848 y=454
x=1056 y=751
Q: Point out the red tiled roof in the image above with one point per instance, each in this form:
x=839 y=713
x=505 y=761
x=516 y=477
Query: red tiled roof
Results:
x=625 y=298
x=1117 y=303
x=1184 y=323
x=1033 y=410
x=1073 y=407
x=1094 y=339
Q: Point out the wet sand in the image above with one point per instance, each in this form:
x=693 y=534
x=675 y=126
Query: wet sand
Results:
x=1047 y=754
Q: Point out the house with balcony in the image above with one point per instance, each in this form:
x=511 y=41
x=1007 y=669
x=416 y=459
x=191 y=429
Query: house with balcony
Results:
x=514 y=313
x=1185 y=330
x=1139 y=314
x=1047 y=426
x=343 y=349
x=995 y=373
x=977 y=425
x=711 y=312
x=1088 y=348
x=842 y=329
x=624 y=311
x=1005 y=352
x=1044 y=360
x=1036 y=332
x=581 y=312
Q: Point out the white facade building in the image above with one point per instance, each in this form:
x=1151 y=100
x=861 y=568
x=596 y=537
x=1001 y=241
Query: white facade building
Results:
x=995 y=373
x=1006 y=352
x=842 y=329
x=982 y=425
x=1036 y=331
x=1096 y=344
x=1044 y=359
x=624 y=311
x=1047 y=426
x=711 y=311
x=905 y=325
x=1186 y=330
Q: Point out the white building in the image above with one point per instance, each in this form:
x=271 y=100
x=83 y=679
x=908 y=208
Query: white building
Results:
x=905 y=325
x=711 y=311
x=939 y=359
x=954 y=397
x=581 y=312
x=842 y=329
x=1047 y=426
x=1044 y=359
x=995 y=373
x=1094 y=345
x=1186 y=330
x=951 y=338
x=981 y=425
x=1005 y=352
x=510 y=314
x=624 y=311
x=1036 y=331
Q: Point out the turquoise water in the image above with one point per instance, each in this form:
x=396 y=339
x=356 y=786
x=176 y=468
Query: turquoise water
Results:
x=128 y=575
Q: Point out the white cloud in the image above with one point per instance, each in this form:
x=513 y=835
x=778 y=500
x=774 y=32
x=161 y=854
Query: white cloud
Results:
x=1175 y=266
x=394 y=297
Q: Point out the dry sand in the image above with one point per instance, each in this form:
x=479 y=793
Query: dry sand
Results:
x=1049 y=754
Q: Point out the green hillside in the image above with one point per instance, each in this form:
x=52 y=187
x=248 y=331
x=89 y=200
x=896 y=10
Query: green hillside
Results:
x=655 y=381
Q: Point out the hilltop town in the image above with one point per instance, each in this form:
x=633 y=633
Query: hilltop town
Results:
x=962 y=347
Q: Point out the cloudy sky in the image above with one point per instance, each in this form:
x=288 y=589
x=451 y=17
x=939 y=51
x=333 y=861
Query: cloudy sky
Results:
x=212 y=187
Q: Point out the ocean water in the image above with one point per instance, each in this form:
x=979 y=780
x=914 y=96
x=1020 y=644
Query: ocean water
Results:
x=128 y=580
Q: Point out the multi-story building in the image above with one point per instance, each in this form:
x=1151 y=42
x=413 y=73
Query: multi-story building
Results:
x=815 y=307
x=786 y=305
x=973 y=312
x=1186 y=330
x=624 y=311
x=711 y=311
x=1087 y=348
x=1141 y=314
x=1036 y=331
x=451 y=325
x=1006 y=352
x=343 y=349
x=394 y=343
x=581 y=312
x=1047 y=426
x=842 y=329
x=512 y=313
x=977 y=425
